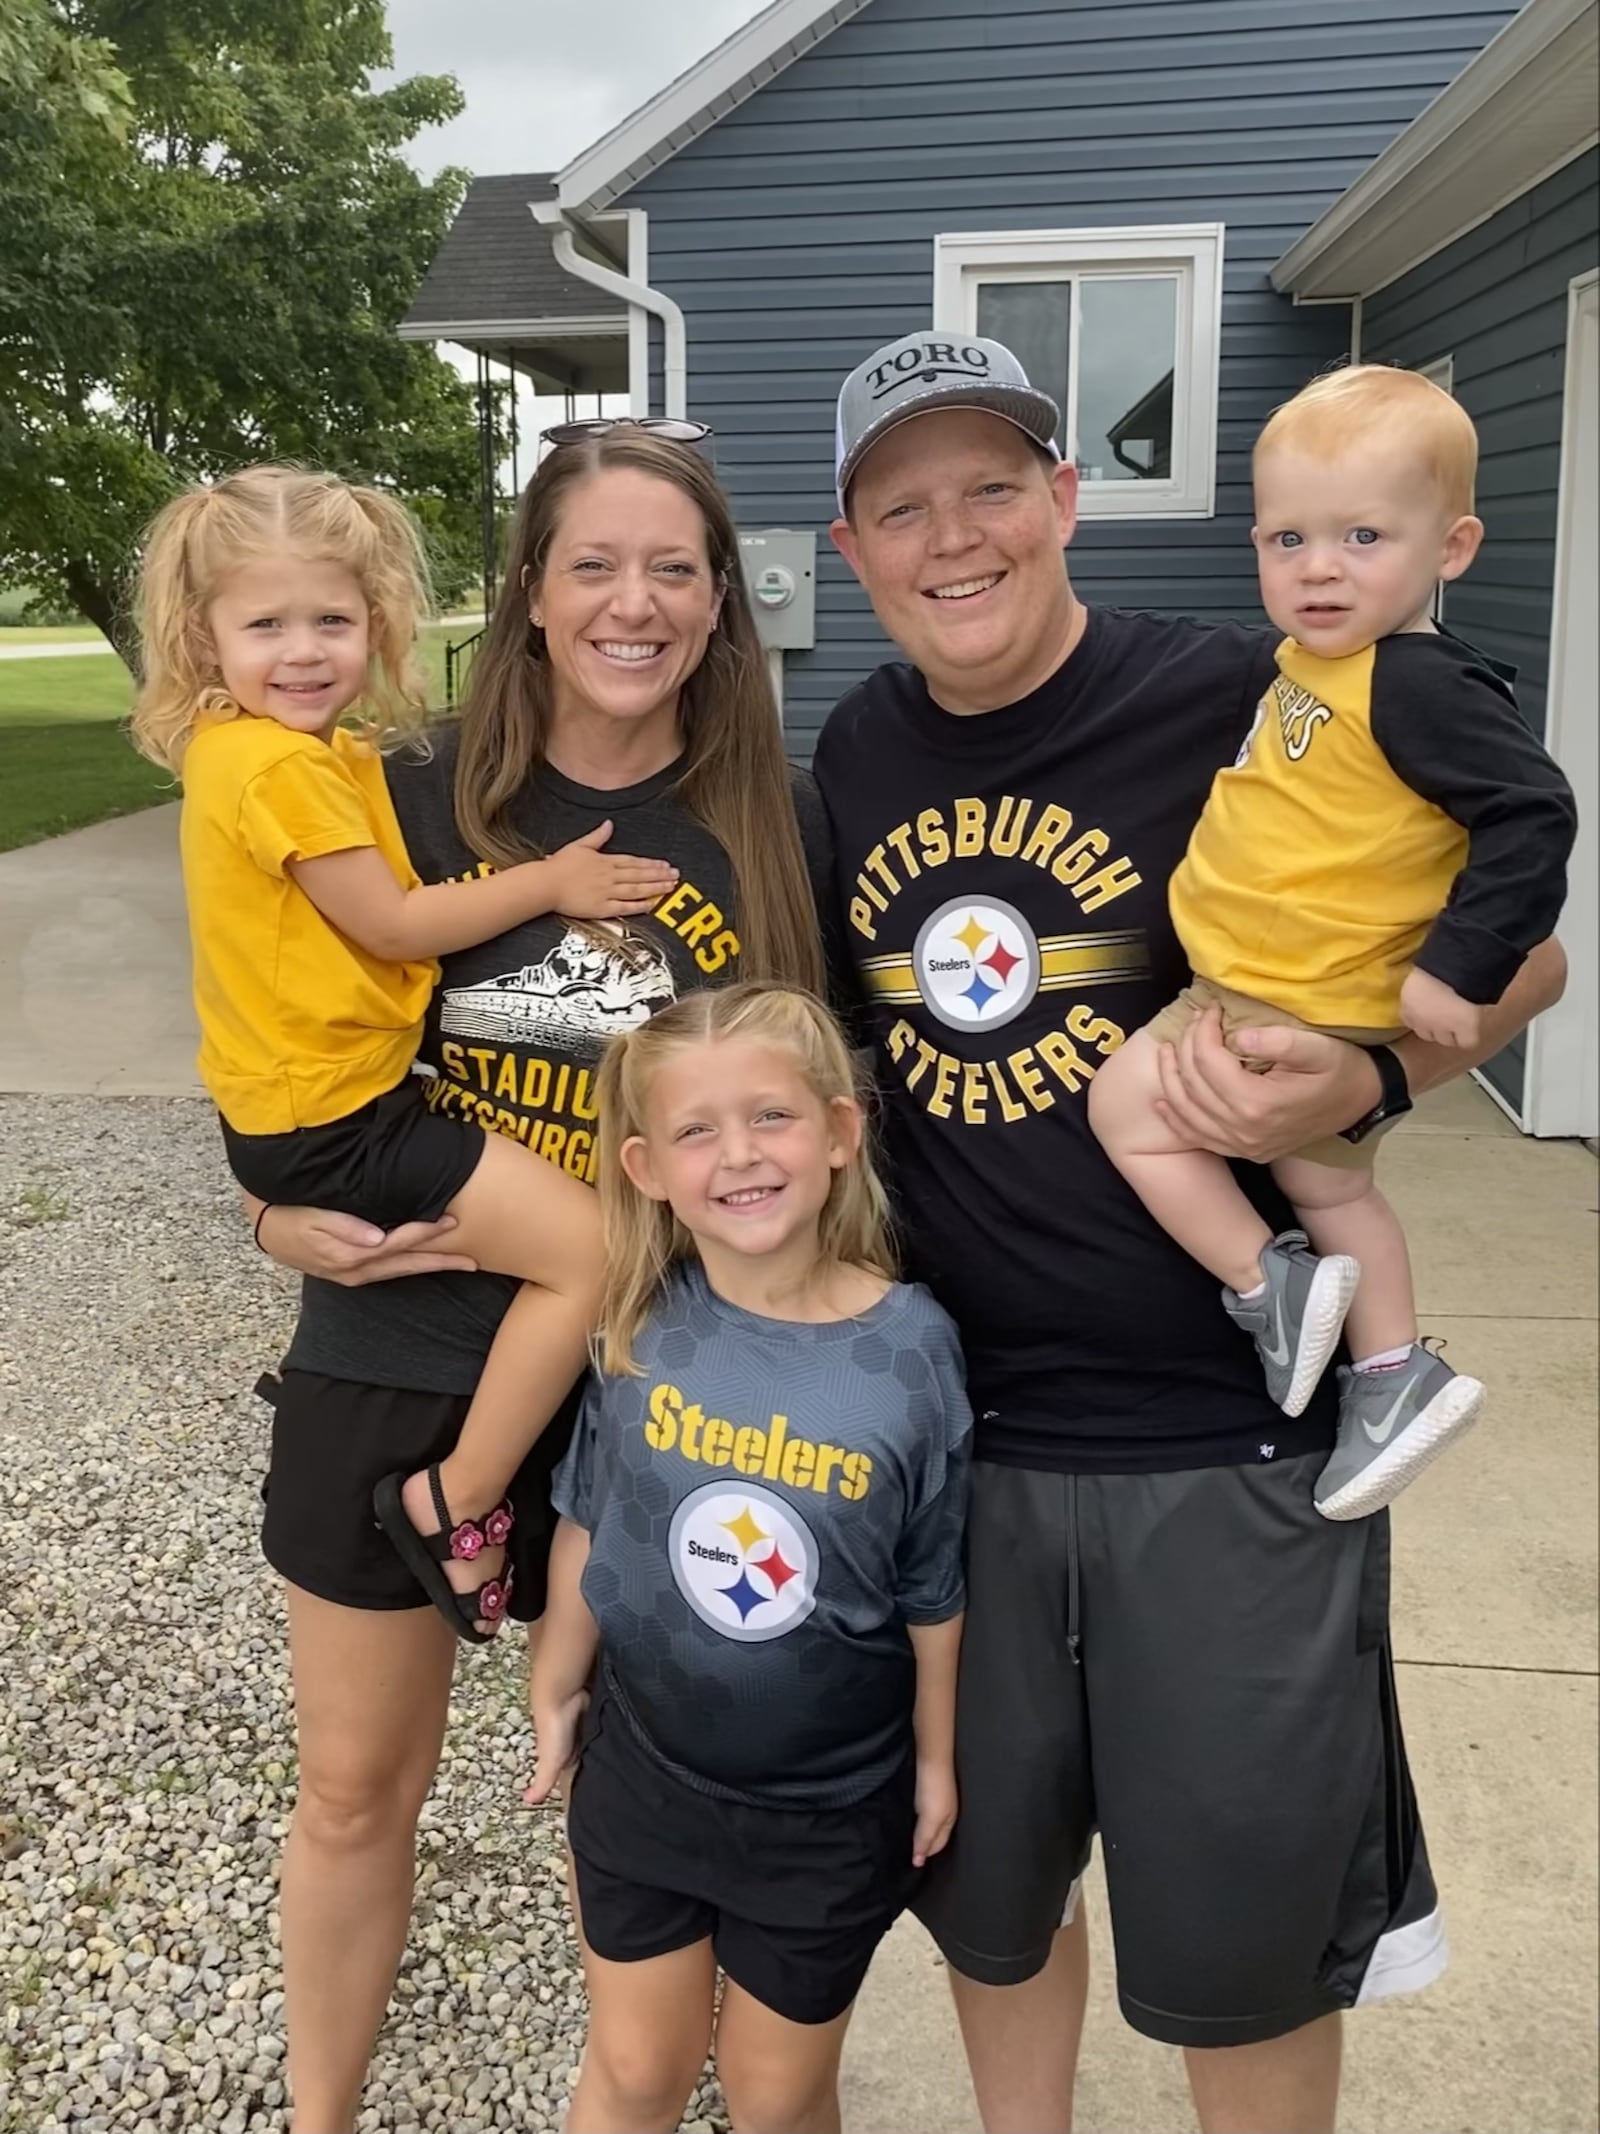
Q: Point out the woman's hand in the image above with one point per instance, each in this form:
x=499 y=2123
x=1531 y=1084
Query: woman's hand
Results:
x=1278 y=1090
x=342 y=1248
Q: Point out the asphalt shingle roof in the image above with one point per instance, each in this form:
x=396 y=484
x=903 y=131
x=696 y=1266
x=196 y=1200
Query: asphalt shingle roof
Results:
x=496 y=263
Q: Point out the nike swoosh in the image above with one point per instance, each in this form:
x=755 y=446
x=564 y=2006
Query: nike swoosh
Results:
x=1379 y=1432
x=1279 y=1355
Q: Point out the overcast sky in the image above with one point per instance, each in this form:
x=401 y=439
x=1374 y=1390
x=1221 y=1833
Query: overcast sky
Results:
x=544 y=79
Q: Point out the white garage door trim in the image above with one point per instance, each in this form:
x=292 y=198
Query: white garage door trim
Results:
x=1564 y=1046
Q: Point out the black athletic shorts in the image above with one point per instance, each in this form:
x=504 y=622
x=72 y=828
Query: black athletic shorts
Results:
x=1197 y=1666
x=333 y=1441
x=391 y=1162
x=794 y=1901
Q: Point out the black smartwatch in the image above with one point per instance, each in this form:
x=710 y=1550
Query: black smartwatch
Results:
x=1394 y=1095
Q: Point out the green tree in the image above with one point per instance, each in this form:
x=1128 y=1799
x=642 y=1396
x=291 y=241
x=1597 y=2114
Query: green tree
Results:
x=208 y=234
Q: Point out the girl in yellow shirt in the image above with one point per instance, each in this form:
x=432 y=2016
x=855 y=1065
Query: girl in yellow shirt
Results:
x=274 y=604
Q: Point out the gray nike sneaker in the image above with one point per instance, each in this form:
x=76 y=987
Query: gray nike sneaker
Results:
x=1391 y=1425
x=1296 y=1325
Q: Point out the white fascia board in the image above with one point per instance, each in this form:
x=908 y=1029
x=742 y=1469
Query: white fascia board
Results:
x=1442 y=176
x=519 y=330
x=718 y=84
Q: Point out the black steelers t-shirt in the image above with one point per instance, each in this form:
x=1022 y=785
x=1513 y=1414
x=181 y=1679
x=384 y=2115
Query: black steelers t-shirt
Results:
x=1000 y=881
x=514 y=1036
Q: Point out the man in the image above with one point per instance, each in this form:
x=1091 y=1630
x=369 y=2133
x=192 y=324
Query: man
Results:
x=1165 y=1642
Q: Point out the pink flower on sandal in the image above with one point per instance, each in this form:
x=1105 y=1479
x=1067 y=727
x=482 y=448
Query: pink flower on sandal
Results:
x=491 y=1601
x=497 y=1526
x=467 y=1541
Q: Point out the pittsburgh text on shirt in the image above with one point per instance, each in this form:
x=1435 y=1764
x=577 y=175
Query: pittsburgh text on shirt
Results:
x=1008 y=830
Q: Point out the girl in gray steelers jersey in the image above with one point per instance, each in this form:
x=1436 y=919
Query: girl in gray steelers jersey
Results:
x=621 y=681
x=761 y=1529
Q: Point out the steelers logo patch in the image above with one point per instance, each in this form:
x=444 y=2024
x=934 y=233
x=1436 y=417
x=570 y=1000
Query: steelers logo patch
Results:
x=977 y=963
x=744 y=1561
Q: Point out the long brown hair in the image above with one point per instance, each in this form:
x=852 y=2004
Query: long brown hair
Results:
x=262 y=511
x=736 y=778
x=644 y=1239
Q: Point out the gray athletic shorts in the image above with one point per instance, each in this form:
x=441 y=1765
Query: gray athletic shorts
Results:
x=1197 y=1666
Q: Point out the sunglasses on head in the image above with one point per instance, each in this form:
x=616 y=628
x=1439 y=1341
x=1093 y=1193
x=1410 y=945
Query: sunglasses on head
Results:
x=670 y=427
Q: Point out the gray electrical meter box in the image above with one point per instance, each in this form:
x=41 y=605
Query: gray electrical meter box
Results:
x=780 y=574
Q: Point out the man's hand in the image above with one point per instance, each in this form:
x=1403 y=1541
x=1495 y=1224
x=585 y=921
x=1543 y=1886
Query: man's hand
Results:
x=936 y=1809
x=1437 y=1012
x=1274 y=1091
x=343 y=1249
x=555 y=1729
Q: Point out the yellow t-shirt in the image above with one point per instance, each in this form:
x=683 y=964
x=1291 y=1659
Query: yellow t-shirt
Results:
x=298 y=1026
x=1316 y=871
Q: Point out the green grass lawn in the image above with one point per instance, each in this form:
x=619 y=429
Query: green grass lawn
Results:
x=65 y=760
x=66 y=775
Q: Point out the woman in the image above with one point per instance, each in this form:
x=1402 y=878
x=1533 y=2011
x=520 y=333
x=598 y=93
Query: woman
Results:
x=622 y=684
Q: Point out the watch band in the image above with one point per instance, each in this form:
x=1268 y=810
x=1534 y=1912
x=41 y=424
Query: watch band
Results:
x=1394 y=1095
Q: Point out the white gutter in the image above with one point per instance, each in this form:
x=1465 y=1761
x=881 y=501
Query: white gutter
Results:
x=1532 y=84
x=675 y=333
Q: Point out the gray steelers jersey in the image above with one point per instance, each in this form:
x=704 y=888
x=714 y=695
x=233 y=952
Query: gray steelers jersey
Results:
x=769 y=1506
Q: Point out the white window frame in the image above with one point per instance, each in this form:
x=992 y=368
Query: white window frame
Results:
x=1193 y=252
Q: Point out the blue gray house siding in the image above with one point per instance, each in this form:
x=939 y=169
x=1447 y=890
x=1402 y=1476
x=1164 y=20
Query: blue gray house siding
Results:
x=1495 y=301
x=797 y=233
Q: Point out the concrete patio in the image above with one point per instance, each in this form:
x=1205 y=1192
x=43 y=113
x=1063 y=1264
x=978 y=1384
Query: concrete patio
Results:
x=1495 y=1633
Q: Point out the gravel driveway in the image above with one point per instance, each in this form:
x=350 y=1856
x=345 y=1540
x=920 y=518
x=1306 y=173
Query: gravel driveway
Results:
x=145 y=1750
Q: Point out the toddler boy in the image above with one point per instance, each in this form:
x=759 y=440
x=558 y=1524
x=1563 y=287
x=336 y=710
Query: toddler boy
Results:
x=1390 y=844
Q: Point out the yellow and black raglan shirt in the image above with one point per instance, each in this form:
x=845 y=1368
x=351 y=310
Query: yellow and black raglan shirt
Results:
x=1390 y=809
x=769 y=1507
x=514 y=1034
x=1001 y=900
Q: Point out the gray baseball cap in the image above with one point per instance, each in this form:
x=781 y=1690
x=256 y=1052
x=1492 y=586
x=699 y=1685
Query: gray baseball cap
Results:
x=926 y=371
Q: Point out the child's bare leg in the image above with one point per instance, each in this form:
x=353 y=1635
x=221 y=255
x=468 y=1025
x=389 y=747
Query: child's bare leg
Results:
x=649 y=2033
x=1342 y=1210
x=1190 y=1192
x=779 y=2077
x=516 y=1215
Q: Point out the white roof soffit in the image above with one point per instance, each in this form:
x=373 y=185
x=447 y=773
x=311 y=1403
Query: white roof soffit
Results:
x=718 y=84
x=536 y=330
x=1526 y=105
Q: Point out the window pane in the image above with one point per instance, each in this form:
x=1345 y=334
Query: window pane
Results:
x=1130 y=337
x=1033 y=320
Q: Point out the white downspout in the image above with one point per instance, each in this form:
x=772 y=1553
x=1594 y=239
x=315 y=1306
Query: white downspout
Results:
x=675 y=333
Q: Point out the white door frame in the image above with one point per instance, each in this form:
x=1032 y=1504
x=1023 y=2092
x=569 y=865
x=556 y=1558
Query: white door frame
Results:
x=1559 y=1085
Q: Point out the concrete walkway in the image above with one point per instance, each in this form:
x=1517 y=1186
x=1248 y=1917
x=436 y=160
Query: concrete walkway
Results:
x=91 y=648
x=1495 y=1570
x=1495 y=1633
x=94 y=963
